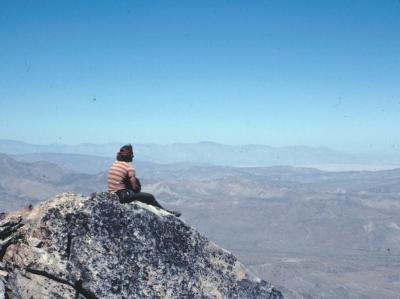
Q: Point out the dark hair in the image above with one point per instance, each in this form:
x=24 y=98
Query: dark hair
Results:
x=125 y=153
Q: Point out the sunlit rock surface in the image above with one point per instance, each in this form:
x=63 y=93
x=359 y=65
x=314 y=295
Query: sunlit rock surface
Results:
x=94 y=247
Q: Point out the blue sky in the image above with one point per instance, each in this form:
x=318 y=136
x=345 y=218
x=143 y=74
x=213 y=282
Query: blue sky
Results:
x=317 y=73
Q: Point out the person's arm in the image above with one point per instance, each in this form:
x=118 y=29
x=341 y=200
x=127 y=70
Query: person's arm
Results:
x=132 y=179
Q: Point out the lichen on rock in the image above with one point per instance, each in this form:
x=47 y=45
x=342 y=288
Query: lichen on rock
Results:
x=73 y=246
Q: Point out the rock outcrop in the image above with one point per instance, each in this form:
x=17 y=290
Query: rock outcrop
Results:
x=94 y=247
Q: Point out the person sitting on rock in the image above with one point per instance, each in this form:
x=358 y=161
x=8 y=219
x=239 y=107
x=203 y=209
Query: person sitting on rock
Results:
x=122 y=181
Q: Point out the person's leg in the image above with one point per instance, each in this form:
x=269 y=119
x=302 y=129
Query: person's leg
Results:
x=127 y=196
x=147 y=198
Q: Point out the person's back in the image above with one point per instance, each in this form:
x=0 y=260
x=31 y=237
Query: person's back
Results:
x=118 y=174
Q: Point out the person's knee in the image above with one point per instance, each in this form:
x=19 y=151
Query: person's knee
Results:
x=146 y=196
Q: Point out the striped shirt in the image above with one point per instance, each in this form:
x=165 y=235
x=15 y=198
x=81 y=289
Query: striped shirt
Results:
x=118 y=171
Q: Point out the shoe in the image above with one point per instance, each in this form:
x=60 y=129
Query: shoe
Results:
x=175 y=213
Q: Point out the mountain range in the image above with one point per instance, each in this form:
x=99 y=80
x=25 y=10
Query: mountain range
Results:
x=210 y=153
x=313 y=233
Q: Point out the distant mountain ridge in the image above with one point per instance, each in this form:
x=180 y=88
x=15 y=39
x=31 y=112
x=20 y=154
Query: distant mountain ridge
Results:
x=202 y=152
x=23 y=183
x=76 y=162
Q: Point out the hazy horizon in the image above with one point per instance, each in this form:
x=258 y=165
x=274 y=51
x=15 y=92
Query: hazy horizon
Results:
x=393 y=149
x=205 y=153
